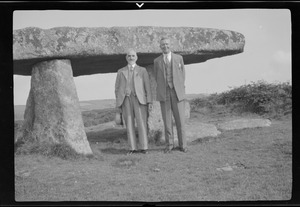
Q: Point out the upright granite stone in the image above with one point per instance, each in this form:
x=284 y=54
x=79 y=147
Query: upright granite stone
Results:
x=52 y=112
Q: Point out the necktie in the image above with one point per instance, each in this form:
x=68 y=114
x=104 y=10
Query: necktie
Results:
x=167 y=60
x=169 y=75
x=131 y=71
x=131 y=79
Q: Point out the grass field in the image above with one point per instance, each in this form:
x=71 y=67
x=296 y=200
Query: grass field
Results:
x=239 y=165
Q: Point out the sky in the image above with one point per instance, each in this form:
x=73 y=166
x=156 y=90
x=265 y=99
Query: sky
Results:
x=266 y=56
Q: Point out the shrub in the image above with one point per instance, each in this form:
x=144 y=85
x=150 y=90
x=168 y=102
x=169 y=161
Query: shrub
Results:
x=260 y=97
x=204 y=102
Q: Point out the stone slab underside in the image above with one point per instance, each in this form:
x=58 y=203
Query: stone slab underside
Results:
x=102 y=50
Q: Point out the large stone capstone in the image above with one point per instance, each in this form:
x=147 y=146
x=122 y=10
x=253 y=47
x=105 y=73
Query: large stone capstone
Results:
x=52 y=113
x=102 y=50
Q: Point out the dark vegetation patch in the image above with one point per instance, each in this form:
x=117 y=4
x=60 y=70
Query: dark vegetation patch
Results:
x=265 y=99
x=60 y=150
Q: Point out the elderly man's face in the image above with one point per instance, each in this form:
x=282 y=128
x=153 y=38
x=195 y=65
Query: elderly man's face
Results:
x=165 y=46
x=131 y=57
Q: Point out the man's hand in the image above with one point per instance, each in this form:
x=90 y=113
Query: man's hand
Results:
x=150 y=106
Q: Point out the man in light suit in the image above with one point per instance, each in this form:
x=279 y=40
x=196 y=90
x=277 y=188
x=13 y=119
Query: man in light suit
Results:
x=133 y=99
x=169 y=73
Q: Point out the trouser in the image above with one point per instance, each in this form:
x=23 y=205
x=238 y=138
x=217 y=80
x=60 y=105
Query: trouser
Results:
x=177 y=107
x=134 y=111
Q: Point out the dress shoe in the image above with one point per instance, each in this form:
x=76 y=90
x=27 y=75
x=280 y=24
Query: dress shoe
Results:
x=183 y=150
x=131 y=152
x=144 y=151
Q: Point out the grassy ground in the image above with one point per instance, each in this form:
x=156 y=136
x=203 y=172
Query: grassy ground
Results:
x=239 y=165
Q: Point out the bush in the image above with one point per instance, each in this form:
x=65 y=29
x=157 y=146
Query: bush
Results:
x=260 y=97
x=204 y=102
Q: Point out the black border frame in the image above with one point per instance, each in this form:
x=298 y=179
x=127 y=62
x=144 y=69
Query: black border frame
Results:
x=6 y=75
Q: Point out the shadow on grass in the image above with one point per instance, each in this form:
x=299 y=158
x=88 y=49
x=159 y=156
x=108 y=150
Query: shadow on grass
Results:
x=118 y=151
x=205 y=140
x=114 y=141
x=115 y=151
x=107 y=135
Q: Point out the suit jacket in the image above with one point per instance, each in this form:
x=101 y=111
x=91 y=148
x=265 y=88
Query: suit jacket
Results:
x=178 y=70
x=141 y=85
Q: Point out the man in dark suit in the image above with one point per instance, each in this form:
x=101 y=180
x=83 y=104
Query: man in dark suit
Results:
x=169 y=73
x=133 y=98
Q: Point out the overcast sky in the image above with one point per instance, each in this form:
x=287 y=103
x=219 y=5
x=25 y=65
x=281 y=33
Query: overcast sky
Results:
x=266 y=56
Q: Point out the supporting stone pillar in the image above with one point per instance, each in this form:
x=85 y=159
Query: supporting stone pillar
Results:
x=155 y=121
x=52 y=113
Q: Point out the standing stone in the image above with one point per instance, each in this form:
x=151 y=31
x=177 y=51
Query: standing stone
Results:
x=155 y=122
x=52 y=113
